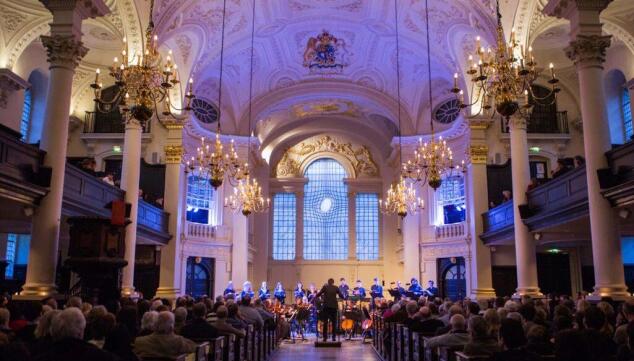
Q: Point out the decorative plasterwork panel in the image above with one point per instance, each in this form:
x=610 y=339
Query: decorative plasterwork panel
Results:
x=296 y=157
x=325 y=107
x=454 y=249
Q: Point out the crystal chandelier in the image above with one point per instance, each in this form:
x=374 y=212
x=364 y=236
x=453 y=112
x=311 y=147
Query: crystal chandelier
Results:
x=401 y=197
x=247 y=195
x=142 y=82
x=503 y=78
x=431 y=160
x=211 y=162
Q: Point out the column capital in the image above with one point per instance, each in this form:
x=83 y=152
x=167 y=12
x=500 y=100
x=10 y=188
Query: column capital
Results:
x=588 y=50
x=69 y=14
x=10 y=82
x=478 y=153
x=568 y=8
x=173 y=154
x=517 y=122
x=172 y=124
x=64 y=50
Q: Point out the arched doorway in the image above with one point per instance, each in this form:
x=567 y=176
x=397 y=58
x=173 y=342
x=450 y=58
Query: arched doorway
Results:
x=453 y=281
x=199 y=276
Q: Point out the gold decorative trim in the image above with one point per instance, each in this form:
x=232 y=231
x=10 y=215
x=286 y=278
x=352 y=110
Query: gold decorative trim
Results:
x=359 y=157
x=325 y=107
x=480 y=124
x=479 y=154
x=172 y=124
x=173 y=153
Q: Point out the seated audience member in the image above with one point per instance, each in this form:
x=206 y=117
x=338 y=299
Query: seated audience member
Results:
x=561 y=168
x=121 y=339
x=425 y=322
x=458 y=335
x=180 y=317
x=100 y=328
x=493 y=321
x=32 y=313
x=250 y=314
x=267 y=317
x=109 y=178
x=198 y=329
x=626 y=351
x=148 y=323
x=481 y=342
x=74 y=302
x=412 y=314
x=579 y=161
x=398 y=314
x=163 y=342
x=600 y=346
x=67 y=329
x=223 y=327
x=473 y=309
x=235 y=319
x=538 y=342
x=514 y=342
x=453 y=310
x=5 y=317
x=620 y=335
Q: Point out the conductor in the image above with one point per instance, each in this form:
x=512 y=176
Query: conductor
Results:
x=329 y=293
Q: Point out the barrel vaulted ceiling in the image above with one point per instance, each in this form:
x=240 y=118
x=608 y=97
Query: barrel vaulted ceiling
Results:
x=285 y=91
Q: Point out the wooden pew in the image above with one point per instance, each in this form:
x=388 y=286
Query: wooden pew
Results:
x=178 y=358
x=460 y=356
x=216 y=351
x=202 y=351
x=228 y=352
x=407 y=344
x=448 y=353
x=398 y=337
x=250 y=344
x=240 y=348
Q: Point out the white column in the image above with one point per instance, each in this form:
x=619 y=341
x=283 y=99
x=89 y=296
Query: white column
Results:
x=175 y=187
x=352 y=225
x=130 y=174
x=587 y=50
x=65 y=50
x=480 y=278
x=411 y=246
x=525 y=255
x=239 y=248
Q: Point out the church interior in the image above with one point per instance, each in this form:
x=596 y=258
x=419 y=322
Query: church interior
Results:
x=235 y=179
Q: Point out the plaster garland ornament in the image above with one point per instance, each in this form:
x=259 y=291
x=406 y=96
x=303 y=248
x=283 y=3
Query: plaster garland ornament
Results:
x=9 y=83
x=588 y=49
x=358 y=155
x=64 y=50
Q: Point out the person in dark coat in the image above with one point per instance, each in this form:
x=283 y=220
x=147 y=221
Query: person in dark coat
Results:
x=329 y=293
x=198 y=329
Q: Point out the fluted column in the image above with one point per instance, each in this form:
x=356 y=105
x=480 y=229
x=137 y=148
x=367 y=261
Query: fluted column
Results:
x=65 y=50
x=239 y=248
x=525 y=256
x=411 y=246
x=587 y=50
x=175 y=188
x=130 y=175
x=481 y=279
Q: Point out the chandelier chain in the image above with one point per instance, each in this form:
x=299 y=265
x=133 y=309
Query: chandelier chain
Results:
x=222 y=57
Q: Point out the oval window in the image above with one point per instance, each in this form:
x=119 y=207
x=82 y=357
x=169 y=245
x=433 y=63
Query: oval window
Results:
x=326 y=205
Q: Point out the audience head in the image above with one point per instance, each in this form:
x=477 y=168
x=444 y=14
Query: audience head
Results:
x=593 y=318
x=5 y=317
x=473 y=309
x=457 y=322
x=165 y=323
x=69 y=323
x=222 y=312
x=411 y=308
x=43 y=328
x=492 y=317
x=537 y=334
x=511 y=306
x=199 y=310
x=455 y=310
x=148 y=321
x=512 y=334
x=425 y=312
x=527 y=311
x=102 y=326
x=478 y=327
x=245 y=301
x=232 y=308
x=330 y=281
x=180 y=315
x=220 y=299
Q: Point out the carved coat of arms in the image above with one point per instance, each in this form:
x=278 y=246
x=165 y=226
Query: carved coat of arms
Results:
x=325 y=53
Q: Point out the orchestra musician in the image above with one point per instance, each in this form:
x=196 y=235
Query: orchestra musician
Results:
x=415 y=288
x=230 y=290
x=359 y=290
x=264 y=293
x=376 y=290
x=344 y=289
x=431 y=291
x=312 y=292
x=299 y=291
x=279 y=293
x=399 y=291
x=247 y=290
x=329 y=293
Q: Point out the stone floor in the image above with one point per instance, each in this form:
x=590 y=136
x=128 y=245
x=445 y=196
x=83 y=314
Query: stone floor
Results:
x=306 y=351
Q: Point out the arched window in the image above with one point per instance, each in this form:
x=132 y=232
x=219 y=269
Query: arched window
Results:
x=25 y=121
x=450 y=202
x=325 y=211
x=200 y=201
x=626 y=105
x=284 y=226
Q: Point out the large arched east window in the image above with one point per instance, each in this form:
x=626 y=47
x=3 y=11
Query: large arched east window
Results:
x=200 y=201
x=325 y=211
x=450 y=201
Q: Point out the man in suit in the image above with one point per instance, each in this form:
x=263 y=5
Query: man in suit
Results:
x=329 y=293
x=198 y=329
x=163 y=342
x=431 y=290
x=223 y=327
